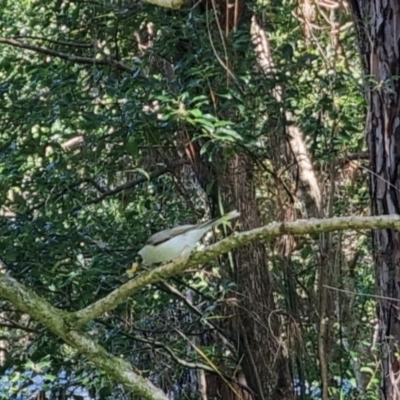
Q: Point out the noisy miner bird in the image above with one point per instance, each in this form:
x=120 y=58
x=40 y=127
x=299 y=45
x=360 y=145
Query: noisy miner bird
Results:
x=177 y=243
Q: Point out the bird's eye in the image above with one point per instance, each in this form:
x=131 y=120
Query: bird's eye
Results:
x=139 y=259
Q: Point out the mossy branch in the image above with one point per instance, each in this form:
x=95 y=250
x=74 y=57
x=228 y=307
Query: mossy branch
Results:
x=55 y=320
x=66 y=325
x=300 y=227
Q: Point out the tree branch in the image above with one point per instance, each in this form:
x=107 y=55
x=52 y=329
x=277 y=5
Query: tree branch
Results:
x=55 y=321
x=59 y=42
x=157 y=344
x=65 y=56
x=106 y=192
x=135 y=182
x=174 y=291
x=174 y=4
x=300 y=227
x=64 y=324
x=15 y=325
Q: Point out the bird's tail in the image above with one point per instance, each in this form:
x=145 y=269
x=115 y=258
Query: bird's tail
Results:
x=225 y=218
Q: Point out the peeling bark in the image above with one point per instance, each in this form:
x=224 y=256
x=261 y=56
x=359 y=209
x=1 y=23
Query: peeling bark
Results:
x=308 y=179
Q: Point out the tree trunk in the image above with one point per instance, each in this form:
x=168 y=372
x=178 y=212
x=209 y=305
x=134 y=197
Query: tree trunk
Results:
x=378 y=28
x=256 y=324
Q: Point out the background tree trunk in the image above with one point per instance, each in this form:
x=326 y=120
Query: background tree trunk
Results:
x=378 y=27
x=256 y=326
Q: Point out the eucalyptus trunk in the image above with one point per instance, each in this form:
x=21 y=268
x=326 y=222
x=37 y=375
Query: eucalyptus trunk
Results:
x=378 y=30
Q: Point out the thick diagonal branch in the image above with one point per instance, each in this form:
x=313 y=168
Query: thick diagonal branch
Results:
x=54 y=319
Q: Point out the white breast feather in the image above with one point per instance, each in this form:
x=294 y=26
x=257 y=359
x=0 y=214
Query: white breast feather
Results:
x=171 y=248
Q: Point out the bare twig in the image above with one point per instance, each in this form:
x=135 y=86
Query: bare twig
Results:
x=173 y=290
x=61 y=42
x=66 y=325
x=15 y=325
x=135 y=182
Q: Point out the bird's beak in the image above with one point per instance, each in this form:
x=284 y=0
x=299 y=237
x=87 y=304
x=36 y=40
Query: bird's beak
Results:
x=130 y=272
x=135 y=266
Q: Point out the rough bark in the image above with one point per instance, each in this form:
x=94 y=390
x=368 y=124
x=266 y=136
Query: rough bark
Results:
x=378 y=28
x=255 y=323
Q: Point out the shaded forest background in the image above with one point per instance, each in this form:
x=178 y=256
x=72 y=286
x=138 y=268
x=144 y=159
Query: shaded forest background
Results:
x=119 y=119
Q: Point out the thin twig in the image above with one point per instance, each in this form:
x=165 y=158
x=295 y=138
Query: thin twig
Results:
x=135 y=182
x=65 y=56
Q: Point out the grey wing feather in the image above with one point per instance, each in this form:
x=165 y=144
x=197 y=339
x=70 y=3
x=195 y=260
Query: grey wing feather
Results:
x=216 y=221
x=163 y=236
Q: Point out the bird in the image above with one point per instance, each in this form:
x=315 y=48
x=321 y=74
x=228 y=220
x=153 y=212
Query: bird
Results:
x=177 y=243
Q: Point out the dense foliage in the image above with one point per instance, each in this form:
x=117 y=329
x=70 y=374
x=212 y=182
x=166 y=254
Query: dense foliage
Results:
x=98 y=100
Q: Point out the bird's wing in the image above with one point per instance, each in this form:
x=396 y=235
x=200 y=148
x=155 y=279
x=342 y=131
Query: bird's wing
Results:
x=216 y=221
x=163 y=236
